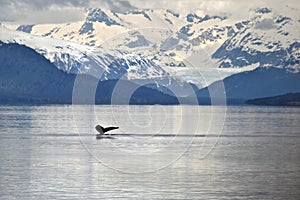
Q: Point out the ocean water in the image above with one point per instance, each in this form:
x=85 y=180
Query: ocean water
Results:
x=159 y=152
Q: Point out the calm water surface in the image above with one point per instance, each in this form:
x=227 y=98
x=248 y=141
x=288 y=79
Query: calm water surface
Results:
x=159 y=152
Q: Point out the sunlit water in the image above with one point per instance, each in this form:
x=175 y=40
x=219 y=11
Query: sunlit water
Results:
x=159 y=152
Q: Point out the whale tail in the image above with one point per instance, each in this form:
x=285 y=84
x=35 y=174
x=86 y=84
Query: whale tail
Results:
x=103 y=130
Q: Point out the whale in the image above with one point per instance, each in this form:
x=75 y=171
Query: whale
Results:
x=103 y=130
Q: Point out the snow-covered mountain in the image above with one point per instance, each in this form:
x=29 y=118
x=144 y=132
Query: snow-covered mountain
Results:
x=170 y=37
x=152 y=44
x=76 y=58
x=102 y=25
x=267 y=39
x=163 y=29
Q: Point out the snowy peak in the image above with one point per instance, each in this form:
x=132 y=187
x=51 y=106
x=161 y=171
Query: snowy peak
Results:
x=268 y=39
x=98 y=15
x=25 y=28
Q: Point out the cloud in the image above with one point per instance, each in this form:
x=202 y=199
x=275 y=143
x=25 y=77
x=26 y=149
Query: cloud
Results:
x=113 y=5
x=54 y=11
x=237 y=8
x=42 y=4
x=61 y=11
x=41 y=11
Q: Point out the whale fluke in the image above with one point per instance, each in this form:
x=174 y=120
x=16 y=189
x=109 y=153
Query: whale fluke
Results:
x=103 y=130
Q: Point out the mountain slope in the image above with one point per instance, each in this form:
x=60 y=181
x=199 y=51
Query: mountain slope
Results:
x=259 y=83
x=291 y=99
x=28 y=76
x=36 y=80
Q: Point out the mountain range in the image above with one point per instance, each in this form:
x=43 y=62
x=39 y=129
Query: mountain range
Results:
x=254 y=57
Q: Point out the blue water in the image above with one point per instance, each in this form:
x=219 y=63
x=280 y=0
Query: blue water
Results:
x=160 y=152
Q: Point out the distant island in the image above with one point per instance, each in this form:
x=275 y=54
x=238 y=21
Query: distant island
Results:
x=290 y=99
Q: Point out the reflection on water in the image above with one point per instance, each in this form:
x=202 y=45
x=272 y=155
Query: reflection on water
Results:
x=50 y=152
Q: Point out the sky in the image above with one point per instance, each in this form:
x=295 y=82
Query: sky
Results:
x=63 y=11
